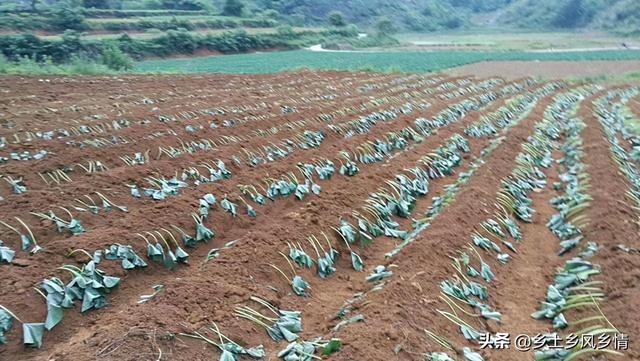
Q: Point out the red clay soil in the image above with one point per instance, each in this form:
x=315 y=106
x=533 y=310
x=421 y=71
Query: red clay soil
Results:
x=613 y=223
x=406 y=307
x=199 y=293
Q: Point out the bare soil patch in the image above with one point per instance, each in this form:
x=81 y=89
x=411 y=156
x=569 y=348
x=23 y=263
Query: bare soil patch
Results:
x=547 y=69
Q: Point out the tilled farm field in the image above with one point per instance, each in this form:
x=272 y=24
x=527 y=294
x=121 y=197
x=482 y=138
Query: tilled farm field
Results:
x=308 y=215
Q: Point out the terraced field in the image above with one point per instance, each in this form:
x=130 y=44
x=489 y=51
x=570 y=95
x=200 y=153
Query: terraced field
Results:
x=311 y=215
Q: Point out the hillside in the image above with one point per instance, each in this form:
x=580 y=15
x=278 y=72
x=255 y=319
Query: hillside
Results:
x=622 y=16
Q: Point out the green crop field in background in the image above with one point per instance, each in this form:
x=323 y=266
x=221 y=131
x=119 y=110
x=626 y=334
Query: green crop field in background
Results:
x=382 y=61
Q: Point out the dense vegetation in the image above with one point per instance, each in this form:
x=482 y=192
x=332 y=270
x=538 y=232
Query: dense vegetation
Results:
x=621 y=16
x=16 y=47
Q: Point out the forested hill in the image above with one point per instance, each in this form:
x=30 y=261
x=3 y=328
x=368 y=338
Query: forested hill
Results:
x=621 y=16
x=419 y=15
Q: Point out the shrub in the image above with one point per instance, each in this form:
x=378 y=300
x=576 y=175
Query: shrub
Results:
x=65 y=17
x=336 y=19
x=233 y=8
x=116 y=59
x=384 y=27
x=285 y=31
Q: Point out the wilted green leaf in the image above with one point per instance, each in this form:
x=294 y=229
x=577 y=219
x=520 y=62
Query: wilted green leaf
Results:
x=203 y=233
x=170 y=260
x=251 y=212
x=32 y=334
x=6 y=253
x=6 y=322
x=356 y=262
x=379 y=273
x=470 y=355
x=486 y=273
x=26 y=241
x=347 y=231
x=181 y=255
x=155 y=253
x=299 y=286
x=227 y=356
x=54 y=316
x=331 y=347
x=229 y=206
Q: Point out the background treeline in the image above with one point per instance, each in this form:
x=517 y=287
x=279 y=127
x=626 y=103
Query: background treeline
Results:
x=619 y=16
x=173 y=42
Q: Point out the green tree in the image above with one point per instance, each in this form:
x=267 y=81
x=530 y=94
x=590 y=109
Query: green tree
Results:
x=183 y=4
x=572 y=13
x=64 y=17
x=286 y=31
x=33 y=4
x=116 y=59
x=384 y=27
x=271 y=14
x=336 y=19
x=98 y=4
x=233 y=8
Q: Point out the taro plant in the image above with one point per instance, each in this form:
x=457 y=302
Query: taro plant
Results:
x=326 y=258
x=368 y=229
x=465 y=353
x=17 y=186
x=107 y=204
x=171 y=257
x=6 y=253
x=137 y=159
x=347 y=166
x=203 y=234
x=356 y=260
x=205 y=203
x=298 y=284
x=32 y=333
x=73 y=225
x=251 y=212
x=146 y=298
x=57 y=176
x=88 y=205
x=324 y=168
x=162 y=188
x=379 y=273
x=215 y=252
x=125 y=253
x=28 y=239
x=216 y=173
x=88 y=284
x=299 y=256
x=280 y=325
x=231 y=350
x=187 y=240
x=56 y=299
x=94 y=167
x=485 y=269
x=253 y=193
x=229 y=206
x=305 y=350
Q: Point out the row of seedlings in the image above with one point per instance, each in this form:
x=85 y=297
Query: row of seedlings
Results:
x=572 y=288
x=511 y=113
x=464 y=288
